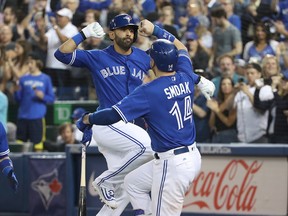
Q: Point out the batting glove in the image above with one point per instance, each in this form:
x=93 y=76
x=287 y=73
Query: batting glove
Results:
x=81 y=126
x=93 y=30
x=206 y=87
x=87 y=136
x=13 y=181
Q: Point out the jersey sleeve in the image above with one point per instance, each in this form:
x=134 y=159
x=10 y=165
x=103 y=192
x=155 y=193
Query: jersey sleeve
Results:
x=185 y=65
x=133 y=106
x=78 y=58
x=4 y=149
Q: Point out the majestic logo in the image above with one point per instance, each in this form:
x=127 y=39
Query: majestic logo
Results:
x=47 y=186
x=170 y=67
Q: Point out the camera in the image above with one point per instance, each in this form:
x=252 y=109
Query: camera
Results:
x=241 y=80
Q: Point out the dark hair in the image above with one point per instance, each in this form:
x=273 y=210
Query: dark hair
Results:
x=63 y=127
x=218 y=12
x=265 y=28
x=254 y=66
x=220 y=95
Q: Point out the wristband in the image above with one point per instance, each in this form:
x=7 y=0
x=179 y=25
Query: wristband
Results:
x=79 y=38
x=162 y=34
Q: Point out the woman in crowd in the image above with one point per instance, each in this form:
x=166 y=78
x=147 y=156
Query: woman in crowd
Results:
x=262 y=44
x=222 y=120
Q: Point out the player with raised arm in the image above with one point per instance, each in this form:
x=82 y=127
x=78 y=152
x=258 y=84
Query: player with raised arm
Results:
x=6 y=165
x=116 y=71
x=166 y=105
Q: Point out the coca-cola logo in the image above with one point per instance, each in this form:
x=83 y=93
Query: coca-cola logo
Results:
x=229 y=189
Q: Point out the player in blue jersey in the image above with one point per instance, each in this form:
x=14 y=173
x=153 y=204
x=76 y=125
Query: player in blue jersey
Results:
x=34 y=92
x=6 y=165
x=166 y=105
x=116 y=72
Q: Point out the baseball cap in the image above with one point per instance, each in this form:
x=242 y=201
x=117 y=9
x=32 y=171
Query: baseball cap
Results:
x=77 y=113
x=191 y=36
x=65 y=12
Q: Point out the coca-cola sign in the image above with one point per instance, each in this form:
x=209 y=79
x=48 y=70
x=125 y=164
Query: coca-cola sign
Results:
x=233 y=186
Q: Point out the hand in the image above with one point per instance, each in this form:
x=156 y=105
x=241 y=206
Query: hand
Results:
x=87 y=136
x=206 y=87
x=93 y=30
x=81 y=125
x=13 y=181
x=213 y=105
x=146 y=28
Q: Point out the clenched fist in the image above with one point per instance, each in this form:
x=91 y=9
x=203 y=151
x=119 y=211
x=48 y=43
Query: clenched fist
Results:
x=146 y=28
x=93 y=30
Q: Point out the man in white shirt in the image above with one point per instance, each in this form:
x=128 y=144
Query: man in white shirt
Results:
x=251 y=123
x=62 y=30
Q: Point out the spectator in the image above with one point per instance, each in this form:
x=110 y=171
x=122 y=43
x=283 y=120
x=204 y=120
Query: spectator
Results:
x=195 y=16
x=34 y=93
x=61 y=31
x=271 y=69
x=201 y=117
x=77 y=113
x=222 y=120
x=78 y=16
x=227 y=68
x=234 y=19
x=226 y=37
x=167 y=19
x=262 y=44
x=9 y=16
x=65 y=136
x=251 y=123
x=197 y=53
x=248 y=19
x=276 y=105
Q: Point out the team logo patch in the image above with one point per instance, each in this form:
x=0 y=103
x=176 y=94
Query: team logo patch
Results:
x=170 y=67
x=128 y=18
x=48 y=186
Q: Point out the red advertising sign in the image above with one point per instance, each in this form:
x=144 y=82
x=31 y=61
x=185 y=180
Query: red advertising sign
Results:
x=239 y=185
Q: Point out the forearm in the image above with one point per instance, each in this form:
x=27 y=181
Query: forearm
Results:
x=103 y=117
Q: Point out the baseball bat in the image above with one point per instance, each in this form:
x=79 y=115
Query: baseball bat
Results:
x=82 y=192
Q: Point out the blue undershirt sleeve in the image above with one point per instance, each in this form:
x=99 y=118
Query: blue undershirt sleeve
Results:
x=104 y=117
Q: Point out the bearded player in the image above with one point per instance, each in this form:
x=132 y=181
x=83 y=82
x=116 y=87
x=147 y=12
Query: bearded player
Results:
x=166 y=105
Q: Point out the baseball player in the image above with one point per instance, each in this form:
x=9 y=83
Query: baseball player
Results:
x=116 y=71
x=6 y=165
x=166 y=104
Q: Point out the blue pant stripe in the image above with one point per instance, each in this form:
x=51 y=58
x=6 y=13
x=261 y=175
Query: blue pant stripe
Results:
x=160 y=193
x=137 y=142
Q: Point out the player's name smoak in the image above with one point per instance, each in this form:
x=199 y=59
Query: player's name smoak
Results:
x=176 y=90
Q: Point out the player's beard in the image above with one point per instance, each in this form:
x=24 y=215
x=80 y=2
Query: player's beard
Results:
x=124 y=43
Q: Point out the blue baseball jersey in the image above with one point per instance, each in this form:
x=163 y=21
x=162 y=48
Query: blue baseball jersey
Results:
x=4 y=149
x=114 y=75
x=30 y=106
x=253 y=52
x=166 y=104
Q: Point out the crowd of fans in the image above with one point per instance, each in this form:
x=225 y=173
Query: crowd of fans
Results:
x=241 y=45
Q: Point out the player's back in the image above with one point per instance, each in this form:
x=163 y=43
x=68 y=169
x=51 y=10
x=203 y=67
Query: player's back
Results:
x=170 y=118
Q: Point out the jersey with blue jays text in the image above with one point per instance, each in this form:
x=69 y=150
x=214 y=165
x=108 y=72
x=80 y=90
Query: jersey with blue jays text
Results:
x=4 y=150
x=166 y=105
x=31 y=107
x=114 y=75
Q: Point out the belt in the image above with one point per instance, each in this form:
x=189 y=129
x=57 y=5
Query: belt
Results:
x=177 y=151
